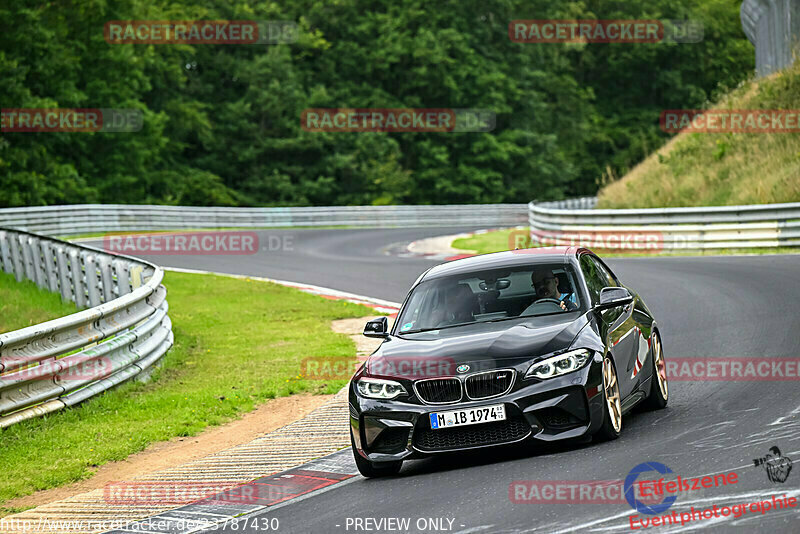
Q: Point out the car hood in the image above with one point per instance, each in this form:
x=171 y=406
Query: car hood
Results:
x=481 y=346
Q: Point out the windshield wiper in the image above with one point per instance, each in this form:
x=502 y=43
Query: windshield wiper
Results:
x=439 y=327
x=418 y=330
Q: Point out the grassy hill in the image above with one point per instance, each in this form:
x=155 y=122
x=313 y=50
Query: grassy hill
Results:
x=712 y=169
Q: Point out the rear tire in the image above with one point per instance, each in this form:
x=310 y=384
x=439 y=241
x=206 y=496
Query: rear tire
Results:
x=612 y=404
x=659 y=389
x=374 y=469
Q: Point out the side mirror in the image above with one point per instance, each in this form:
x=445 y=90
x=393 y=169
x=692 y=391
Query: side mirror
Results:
x=612 y=297
x=377 y=328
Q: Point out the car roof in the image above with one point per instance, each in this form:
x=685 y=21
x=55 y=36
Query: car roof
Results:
x=497 y=260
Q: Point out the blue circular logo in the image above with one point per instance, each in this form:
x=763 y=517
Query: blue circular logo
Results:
x=638 y=505
x=462 y=368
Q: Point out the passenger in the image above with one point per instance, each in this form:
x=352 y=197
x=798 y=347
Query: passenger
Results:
x=457 y=307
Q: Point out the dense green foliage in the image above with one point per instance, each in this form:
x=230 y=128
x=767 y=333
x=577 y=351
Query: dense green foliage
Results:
x=222 y=121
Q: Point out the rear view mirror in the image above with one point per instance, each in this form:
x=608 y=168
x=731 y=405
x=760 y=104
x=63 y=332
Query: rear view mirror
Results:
x=500 y=283
x=612 y=297
x=377 y=328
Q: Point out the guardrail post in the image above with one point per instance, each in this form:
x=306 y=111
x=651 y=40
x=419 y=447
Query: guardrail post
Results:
x=79 y=283
x=106 y=279
x=62 y=262
x=38 y=266
x=16 y=256
x=92 y=278
x=123 y=276
x=50 y=266
x=6 y=262
x=27 y=258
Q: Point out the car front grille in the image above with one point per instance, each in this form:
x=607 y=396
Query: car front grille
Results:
x=496 y=433
x=489 y=384
x=439 y=390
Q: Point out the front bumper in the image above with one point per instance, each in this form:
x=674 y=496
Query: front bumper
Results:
x=564 y=407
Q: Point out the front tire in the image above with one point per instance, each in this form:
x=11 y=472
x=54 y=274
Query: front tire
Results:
x=612 y=405
x=374 y=469
x=659 y=389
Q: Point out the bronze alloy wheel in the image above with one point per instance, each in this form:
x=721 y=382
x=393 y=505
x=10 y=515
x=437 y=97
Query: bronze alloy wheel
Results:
x=661 y=367
x=611 y=387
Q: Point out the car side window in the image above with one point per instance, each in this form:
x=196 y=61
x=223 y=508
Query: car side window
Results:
x=596 y=277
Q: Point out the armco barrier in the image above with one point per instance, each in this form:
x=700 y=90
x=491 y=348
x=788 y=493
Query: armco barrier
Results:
x=55 y=364
x=92 y=218
x=707 y=228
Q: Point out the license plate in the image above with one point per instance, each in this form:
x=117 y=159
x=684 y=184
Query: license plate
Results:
x=470 y=416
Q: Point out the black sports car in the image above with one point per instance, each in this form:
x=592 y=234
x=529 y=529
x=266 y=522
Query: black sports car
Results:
x=542 y=344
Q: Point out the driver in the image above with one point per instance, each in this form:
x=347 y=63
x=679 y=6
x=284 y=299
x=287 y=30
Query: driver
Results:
x=546 y=285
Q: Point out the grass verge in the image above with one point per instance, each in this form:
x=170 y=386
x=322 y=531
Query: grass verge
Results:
x=238 y=343
x=715 y=169
x=502 y=240
x=25 y=304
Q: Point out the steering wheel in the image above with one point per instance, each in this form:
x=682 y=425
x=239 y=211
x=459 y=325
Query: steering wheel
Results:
x=551 y=302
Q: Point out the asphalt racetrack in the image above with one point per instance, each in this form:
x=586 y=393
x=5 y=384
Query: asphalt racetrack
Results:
x=728 y=306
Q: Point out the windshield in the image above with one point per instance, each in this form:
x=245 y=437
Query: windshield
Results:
x=491 y=295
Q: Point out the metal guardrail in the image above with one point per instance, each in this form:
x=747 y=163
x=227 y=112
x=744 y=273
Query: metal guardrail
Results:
x=92 y=218
x=59 y=363
x=773 y=26
x=673 y=229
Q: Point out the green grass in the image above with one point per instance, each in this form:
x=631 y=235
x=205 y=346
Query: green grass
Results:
x=24 y=304
x=501 y=240
x=494 y=241
x=238 y=343
x=715 y=169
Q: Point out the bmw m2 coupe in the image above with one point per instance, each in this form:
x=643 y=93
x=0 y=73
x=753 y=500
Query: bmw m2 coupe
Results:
x=538 y=344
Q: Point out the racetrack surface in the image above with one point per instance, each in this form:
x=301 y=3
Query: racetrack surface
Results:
x=706 y=306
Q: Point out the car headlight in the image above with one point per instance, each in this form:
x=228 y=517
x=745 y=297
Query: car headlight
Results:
x=559 y=365
x=377 y=388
